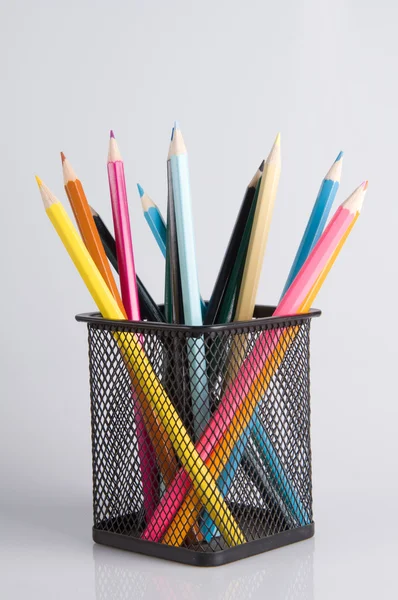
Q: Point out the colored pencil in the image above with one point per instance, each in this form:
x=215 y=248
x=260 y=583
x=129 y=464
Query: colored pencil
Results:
x=174 y=309
x=121 y=221
x=259 y=234
x=160 y=234
x=149 y=308
x=231 y=254
x=318 y=218
x=227 y=309
x=154 y=219
x=233 y=415
x=143 y=374
x=88 y=231
x=189 y=279
x=320 y=255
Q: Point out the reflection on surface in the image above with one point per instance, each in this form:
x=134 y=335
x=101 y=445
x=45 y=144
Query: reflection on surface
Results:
x=284 y=574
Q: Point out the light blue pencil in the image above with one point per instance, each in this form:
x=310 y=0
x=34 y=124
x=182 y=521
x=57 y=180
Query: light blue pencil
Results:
x=189 y=279
x=158 y=227
x=154 y=219
x=293 y=507
x=318 y=218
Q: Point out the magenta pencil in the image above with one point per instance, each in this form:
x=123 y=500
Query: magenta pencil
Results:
x=251 y=367
x=129 y=290
x=121 y=222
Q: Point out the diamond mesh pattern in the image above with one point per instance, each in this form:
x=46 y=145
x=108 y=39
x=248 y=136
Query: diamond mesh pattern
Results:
x=262 y=466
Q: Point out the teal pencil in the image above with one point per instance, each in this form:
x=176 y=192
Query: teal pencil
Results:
x=318 y=218
x=158 y=227
x=154 y=219
x=189 y=279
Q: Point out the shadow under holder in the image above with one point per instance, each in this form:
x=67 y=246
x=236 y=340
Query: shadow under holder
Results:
x=264 y=474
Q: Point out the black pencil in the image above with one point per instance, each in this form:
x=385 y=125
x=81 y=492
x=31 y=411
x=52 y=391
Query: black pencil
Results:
x=148 y=306
x=174 y=310
x=232 y=249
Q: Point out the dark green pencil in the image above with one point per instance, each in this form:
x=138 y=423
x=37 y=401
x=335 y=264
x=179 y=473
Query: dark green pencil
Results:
x=213 y=309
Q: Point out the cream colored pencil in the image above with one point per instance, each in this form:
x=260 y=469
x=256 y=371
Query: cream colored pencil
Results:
x=259 y=234
x=255 y=256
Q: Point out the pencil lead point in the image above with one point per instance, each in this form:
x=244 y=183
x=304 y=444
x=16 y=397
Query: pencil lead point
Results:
x=63 y=157
x=38 y=181
x=339 y=156
x=261 y=167
x=112 y=135
x=365 y=184
x=140 y=190
x=176 y=126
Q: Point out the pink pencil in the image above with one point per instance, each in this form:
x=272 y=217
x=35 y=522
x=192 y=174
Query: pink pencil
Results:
x=121 y=222
x=128 y=285
x=249 y=370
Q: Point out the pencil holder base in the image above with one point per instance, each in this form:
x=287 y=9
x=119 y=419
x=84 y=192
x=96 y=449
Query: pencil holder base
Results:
x=204 y=555
x=202 y=558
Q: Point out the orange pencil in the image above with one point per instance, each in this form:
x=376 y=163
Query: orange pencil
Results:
x=85 y=222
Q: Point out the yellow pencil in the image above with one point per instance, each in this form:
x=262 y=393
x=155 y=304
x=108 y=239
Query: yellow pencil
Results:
x=205 y=486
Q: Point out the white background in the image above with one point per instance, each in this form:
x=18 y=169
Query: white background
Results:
x=234 y=74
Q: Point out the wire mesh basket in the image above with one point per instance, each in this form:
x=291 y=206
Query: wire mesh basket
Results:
x=201 y=436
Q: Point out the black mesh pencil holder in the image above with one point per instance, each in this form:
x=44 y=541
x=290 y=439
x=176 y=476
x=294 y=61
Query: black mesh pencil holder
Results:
x=201 y=436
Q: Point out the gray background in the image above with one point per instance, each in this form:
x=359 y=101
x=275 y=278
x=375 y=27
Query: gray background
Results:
x=234 y=74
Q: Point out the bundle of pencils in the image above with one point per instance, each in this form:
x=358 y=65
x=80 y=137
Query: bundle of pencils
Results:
x=190 y=446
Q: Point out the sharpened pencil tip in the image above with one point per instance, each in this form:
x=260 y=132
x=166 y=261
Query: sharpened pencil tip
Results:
x=38 y=181
x=111 y=134
x=365 y=184
x=140 y=190
x=261 y=167
x=93 y=211
x=275 y=153
x=176 y=126
x=63 y=157
x=339 y=156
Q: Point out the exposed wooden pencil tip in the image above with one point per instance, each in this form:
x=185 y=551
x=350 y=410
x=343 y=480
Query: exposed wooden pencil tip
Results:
x=111 y=134
x=275 y=154
x=63 y=157
x=39 y=181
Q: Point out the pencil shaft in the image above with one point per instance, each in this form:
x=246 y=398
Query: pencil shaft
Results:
x=316 y=222
x=84 y=219
x=214 y=306
x=190 y=290
x=157 y=226
x=177 y=310
x=259 y=235
x=228 y=305
x=149 y=308
x=124 y=245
